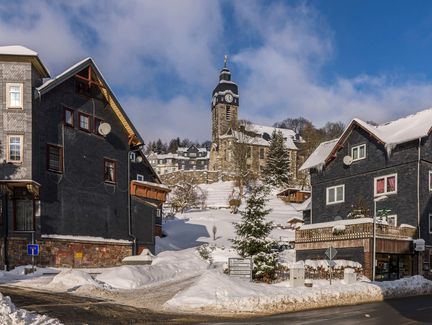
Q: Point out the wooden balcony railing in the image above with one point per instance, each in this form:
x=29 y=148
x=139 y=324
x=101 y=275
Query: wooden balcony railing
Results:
x=354 y=231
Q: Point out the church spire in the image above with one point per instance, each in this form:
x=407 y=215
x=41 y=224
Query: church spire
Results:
x=225 y=61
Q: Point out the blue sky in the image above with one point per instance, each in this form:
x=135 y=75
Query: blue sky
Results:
x=324 y=60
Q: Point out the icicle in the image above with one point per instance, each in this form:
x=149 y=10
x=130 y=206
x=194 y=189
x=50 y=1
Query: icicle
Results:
x=389 y=148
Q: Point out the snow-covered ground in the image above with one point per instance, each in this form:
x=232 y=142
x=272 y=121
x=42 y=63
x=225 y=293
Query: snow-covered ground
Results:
x=180 y=279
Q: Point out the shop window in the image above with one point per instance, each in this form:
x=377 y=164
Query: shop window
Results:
x=109 y=171
x=15 y=148
x=335 y=194
x=55 y=158
x=385 y=185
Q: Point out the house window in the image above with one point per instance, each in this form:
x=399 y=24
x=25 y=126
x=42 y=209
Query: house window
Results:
x=55 y=158
x=385 y=185
x=84 y=122
x=109 y=171
x=430 y=180
x=392 y=220
x=335 y=194
x=23 y=215
x=261 y=153
x=192 y=154
x=358 y=152
x=97 y=123
x=15 y=148
x=140 y=178
x=68 y=117
x=249 y=152
x=430 y=223
x=14 y=95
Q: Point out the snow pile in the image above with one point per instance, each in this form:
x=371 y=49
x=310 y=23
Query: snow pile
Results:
x=71 y=279
x=166 y=267
x=144 y=258
x=216 y=291
x=10 y=315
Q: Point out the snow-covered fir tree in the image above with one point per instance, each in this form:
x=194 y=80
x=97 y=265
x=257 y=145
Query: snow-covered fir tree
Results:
x=252 y=234
x=277 y=169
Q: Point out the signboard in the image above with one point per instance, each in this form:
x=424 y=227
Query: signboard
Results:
x=33 y=249
x=240 y=267
x=331 y=252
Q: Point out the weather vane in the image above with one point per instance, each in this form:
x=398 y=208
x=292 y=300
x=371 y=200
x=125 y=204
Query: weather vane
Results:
x=225 y=60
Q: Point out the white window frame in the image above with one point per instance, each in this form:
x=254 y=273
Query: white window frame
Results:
x=140 y=177
x=335 y=189
x=430 y=223
x=385 y=185
x=394 y=216
x=8 y=159
x=8 y=98
x=358 y=152
x=429 y=180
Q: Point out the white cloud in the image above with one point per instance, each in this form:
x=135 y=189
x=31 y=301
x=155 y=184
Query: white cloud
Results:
x=161 y=57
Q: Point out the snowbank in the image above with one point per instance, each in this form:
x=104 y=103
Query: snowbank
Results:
x=217 y=291
x=10 y=315
x=166 y=267
x=70 y=279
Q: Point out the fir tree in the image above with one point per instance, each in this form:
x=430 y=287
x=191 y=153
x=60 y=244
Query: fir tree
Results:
x=277 y=169
x=252 y=233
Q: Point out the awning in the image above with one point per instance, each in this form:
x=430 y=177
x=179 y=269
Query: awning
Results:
x=9 y=185
x=149 y=190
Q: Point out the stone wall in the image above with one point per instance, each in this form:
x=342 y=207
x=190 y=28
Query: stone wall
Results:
x=65 y=253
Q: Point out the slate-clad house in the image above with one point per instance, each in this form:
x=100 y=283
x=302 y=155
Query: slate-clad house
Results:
x=67 y=151
x=185 y=159
x=388 y=168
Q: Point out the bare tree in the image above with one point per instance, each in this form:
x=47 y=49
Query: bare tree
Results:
x=185 y=194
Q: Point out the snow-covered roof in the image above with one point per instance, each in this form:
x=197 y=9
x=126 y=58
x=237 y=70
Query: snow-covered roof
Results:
x=391 y=134
x=17 y=50
x=183 y=149
x=344 y=222
x=318 y=157
x=289 y=135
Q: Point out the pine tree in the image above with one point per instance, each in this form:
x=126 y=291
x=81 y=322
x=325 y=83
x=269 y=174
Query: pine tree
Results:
x=252 y=235
x=277 y=169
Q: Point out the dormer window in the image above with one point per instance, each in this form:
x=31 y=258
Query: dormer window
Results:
x=14 y=95
x=358 y=152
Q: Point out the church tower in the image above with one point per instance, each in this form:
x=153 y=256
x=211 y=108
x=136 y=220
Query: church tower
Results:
x=224 y=108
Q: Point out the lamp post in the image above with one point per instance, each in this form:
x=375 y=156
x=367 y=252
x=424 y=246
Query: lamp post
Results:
x=129 y=156
x=376 y=199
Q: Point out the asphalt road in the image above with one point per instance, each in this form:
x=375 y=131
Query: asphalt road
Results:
x=71 y=309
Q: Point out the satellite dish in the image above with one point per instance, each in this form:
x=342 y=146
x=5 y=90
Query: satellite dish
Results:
x=347 y=160
x=104 y=129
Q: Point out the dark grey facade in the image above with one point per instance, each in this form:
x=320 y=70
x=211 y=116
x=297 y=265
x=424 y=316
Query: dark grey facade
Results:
x=76 y=197
x=410 y=202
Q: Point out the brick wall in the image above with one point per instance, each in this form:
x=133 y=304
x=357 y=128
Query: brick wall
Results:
x=64 y=253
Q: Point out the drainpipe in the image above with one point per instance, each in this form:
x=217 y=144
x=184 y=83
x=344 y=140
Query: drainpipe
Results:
x=418 y=187
x=134 y=245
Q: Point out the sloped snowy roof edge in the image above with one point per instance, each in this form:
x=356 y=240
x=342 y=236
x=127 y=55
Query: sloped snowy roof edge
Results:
x=391 y=134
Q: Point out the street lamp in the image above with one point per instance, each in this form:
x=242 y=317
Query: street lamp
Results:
x=376 y=199
x=132 y=149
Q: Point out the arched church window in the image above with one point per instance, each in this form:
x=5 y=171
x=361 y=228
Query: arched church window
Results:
x=228 y=113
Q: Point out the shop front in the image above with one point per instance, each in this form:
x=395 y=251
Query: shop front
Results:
x=393 y=266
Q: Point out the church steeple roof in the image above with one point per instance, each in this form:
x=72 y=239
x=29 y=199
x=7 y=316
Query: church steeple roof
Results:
x=226 y=85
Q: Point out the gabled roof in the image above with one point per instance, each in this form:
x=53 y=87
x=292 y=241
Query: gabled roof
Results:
x=13 y=51
x=389 y=134
x=106 y=91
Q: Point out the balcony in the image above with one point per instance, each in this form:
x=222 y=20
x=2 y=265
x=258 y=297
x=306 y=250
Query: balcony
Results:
x=352 y=229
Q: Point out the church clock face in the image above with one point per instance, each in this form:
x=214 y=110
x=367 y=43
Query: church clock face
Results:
x=228 y=98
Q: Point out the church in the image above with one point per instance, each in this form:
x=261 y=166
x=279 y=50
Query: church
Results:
x=228 y=131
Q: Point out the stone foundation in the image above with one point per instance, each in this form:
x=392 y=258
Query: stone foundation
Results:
x=65 y=253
